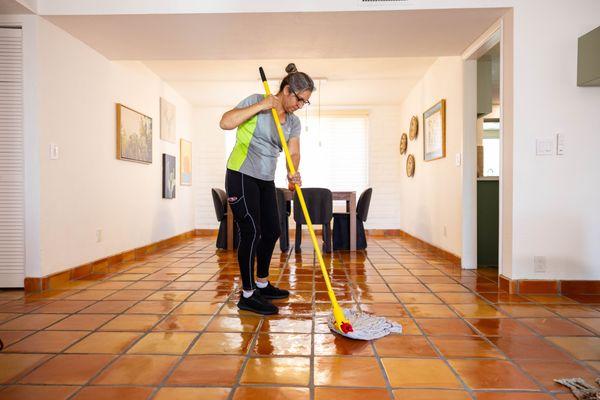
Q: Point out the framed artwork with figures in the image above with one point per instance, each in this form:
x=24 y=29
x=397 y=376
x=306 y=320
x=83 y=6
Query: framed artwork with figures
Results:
x=134 y=135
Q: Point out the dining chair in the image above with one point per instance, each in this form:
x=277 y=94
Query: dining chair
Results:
x=319 y=202
x=341 y=224
x=284 y=209
x=220 y=202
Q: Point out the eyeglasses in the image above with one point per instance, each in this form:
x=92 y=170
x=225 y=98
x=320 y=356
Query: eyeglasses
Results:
x=301 y=101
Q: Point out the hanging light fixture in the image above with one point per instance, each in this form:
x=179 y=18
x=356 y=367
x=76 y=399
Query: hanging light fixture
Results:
x=319 y=116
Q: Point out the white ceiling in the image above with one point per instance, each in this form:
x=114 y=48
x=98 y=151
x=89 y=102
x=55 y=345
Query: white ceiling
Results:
x=358 y=81
x=367 y=57
x=422 y=33
x=14 y=7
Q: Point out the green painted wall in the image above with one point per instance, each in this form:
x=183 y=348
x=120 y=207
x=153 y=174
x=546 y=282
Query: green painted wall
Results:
x=487 y=222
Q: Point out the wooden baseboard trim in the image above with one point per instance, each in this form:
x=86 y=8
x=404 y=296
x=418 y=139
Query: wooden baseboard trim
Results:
x=206 y=232
x=442 y=253
x=370 y=233
x=101 y=266
x=551 y=287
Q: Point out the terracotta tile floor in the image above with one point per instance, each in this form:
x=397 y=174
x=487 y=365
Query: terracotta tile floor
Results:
x=167 y=327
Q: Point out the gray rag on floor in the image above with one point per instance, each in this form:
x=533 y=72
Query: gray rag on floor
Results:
x=365 y=326
x=580 y=388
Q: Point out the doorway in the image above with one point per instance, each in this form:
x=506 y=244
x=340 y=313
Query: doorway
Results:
x=487 y=152
x=488 y=157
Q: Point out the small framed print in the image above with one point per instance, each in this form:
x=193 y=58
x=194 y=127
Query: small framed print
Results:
x=434 y=132
x=185 y=162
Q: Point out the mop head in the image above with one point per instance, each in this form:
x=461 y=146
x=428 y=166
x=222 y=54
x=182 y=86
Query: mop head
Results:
x=365 y=326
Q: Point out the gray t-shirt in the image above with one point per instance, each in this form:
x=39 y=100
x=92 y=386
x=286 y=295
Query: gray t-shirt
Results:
x=257 y=144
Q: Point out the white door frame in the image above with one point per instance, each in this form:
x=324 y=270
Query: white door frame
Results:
x=484 y=43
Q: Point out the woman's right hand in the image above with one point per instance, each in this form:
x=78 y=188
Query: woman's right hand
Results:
x=270 y=102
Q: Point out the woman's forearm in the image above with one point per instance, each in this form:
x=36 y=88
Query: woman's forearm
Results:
x=295 y=160
x=234 y=118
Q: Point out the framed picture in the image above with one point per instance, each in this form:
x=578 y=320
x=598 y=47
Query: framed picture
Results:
x=134 y=135
x=434 y=132
x=185 y=162
x=167 y=121
x=169 y=179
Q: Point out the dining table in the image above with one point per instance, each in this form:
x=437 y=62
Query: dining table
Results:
x=347 y=196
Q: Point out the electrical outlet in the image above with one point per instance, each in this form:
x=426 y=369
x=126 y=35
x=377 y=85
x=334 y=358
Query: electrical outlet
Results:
x=539 y=264
x=445 y=231
x=457 y=159
x=98 y=235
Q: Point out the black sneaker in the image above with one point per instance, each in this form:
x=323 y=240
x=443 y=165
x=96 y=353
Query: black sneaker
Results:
x=271 y=292
x=257 y=303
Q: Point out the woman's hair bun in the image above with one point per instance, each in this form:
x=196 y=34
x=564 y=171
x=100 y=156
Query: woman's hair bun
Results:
x=291 y=68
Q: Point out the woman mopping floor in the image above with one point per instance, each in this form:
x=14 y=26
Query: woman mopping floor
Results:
x=250 y=185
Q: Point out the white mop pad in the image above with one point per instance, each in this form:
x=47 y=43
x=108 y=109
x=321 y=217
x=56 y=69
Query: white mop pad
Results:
x=365 y=326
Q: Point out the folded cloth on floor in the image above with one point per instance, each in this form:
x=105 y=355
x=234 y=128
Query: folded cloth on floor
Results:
x=580 y=388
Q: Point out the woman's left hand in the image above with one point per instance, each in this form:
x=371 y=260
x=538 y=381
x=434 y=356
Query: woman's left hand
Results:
x=295 y=179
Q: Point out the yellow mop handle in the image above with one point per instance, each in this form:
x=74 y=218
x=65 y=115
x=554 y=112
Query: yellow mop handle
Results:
x=341 y=322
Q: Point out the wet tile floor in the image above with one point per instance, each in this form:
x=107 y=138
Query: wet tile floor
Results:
x=167 y=327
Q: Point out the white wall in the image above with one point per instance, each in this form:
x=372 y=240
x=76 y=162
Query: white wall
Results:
x=430 y=202
x=556 y=198
x=385 y=166
x=209 y=163
x=88 y=188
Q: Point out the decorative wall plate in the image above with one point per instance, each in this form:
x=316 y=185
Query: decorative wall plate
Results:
x=403 y=143
x=414 y=128
x=410 y=166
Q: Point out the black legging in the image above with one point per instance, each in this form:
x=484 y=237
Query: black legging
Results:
x=254 y=205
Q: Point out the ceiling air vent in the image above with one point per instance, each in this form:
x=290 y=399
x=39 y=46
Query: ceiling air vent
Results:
x=386 y=2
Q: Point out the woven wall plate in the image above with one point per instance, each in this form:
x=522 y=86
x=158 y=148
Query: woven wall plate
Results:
x=410 y=166
x=414 y=128
x=403 y=143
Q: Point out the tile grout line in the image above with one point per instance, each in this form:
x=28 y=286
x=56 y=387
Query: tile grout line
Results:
x=437 y=265
x=486 y=339
x=246 y=357
x=440 y=355
x=127 y=348
x=29 y=371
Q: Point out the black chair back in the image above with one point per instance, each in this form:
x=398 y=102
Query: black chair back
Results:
x=220 y=202
x=319 y=202
x=364 y=201
x=282 y=205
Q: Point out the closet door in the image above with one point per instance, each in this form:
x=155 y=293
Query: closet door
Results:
x=12 y=200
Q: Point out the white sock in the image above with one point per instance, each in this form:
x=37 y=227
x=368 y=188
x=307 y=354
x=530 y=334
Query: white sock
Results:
x=262 y=285
x=247 y=293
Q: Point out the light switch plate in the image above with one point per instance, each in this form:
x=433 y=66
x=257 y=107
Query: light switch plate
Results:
x=560 y=144
x=543 y=146
x=457 y=159
x=539 y=264
x=54 y=151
